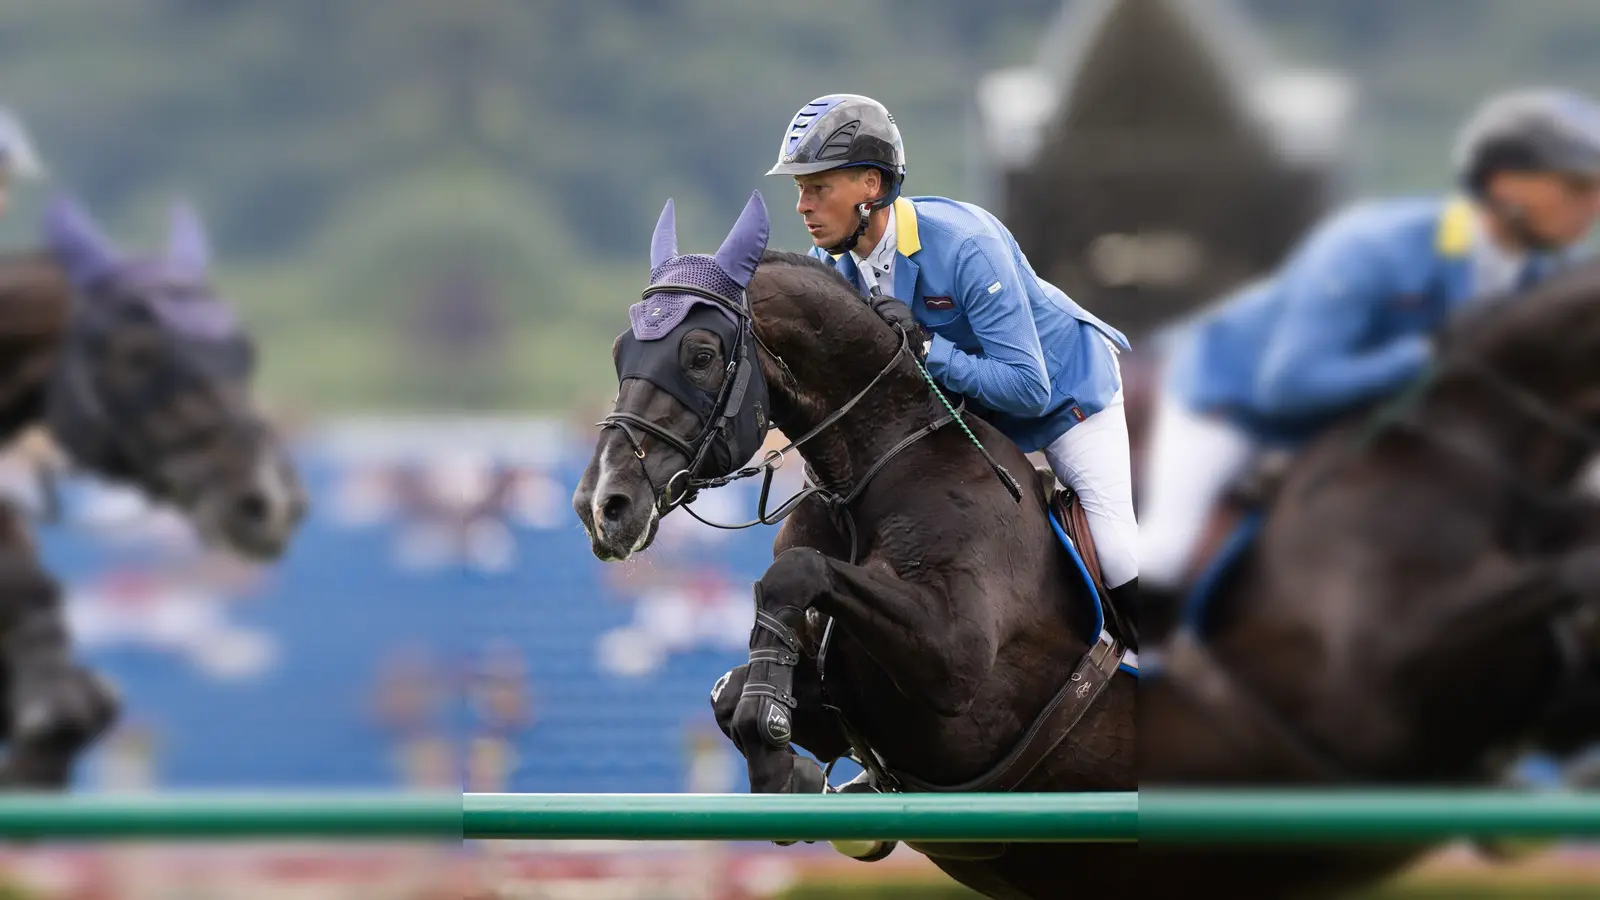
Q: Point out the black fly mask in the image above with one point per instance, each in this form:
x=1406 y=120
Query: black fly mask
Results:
x=699 y=292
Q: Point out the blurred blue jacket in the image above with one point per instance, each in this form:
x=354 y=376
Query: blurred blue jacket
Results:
x=1346 y=320
x=1023 y=352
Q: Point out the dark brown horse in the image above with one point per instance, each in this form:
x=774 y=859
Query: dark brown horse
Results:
x=1423 y=596
x=141 y=376
x=917 y=614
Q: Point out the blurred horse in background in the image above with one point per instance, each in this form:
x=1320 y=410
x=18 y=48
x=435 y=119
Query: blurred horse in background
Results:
x=141 y=375
x=1413 y=599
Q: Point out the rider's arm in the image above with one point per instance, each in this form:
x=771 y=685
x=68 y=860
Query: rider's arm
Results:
x=1009 y=373
x=1318 y=358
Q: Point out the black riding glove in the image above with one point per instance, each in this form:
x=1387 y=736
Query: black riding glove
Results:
x=899 y=315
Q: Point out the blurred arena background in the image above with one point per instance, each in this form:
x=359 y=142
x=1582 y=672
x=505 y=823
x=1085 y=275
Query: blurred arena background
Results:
x=435 y=215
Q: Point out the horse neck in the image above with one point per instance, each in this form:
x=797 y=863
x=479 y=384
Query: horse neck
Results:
x=35 y=305
x=1517 y=450
x=831 y=366
x=1537 y=346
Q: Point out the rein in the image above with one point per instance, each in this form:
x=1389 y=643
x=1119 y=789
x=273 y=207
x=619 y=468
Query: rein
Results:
x=735 y=381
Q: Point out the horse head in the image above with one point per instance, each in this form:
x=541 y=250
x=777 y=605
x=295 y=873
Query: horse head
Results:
x=153 y=385
x=692 y=401
x=703 y=378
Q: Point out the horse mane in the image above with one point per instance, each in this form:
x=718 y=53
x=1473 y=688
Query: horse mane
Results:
x=820 y=298
x=807 y=264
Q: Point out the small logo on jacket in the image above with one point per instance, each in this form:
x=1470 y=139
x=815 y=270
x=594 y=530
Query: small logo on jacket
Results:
x=1078 y=414
x=938 y=303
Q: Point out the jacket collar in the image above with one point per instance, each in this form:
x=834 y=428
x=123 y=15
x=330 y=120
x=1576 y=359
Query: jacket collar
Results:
x=1452 y=239
x=907 y=242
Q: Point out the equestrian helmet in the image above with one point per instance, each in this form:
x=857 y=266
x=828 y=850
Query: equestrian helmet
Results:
x=1540 y=130
x=841 y=131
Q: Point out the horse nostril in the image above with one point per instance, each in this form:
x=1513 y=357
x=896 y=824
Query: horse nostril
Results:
x=614 y=507
x=252 y=508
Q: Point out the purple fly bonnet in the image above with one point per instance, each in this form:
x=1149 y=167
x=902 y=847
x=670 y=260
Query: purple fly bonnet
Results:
x=700 y=292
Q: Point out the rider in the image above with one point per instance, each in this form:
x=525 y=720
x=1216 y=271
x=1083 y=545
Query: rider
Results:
x=17 y=157
x=1349 y=317
x=1037 y=365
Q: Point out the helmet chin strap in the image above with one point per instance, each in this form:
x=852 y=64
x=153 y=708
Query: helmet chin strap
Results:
x=849 y=243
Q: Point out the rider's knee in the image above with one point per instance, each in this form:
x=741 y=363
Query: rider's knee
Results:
x=1163 y=555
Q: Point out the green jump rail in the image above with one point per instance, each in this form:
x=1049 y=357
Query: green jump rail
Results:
x=1153 y=816
x=1367 y=816
x=811 y=817
x=623 y=817
x=279 y=815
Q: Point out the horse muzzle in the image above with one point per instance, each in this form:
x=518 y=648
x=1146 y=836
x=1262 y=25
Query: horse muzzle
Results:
x=618 y=513
x=256 y=515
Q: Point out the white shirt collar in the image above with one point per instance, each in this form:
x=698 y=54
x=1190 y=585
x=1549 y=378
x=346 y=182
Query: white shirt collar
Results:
x=878 y=266
x=1495 y=270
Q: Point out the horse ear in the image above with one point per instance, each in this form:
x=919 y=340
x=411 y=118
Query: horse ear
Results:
x=77 y=241
x=741 y=252
x=664 y=243
x=187 y=243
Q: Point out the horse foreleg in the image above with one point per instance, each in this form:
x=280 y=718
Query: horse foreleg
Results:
x=936 y=653
x=785 y=771
x=766 y=708
x=780 y=769
x=56 y=708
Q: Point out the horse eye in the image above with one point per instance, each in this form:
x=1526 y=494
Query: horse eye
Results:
x=702 y=358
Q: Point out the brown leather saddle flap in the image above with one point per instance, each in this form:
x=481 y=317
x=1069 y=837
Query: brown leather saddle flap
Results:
x=1069 y=512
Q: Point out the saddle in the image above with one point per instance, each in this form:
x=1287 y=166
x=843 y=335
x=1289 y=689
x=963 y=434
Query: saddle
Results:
x=1069 y=512
x=1063 y=505
x=1253 y=491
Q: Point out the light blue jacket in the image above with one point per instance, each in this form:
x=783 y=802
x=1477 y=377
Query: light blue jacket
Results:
x=1345 y=321
x=1003 y=337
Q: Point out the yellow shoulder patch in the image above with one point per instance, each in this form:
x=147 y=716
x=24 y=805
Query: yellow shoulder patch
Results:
x=905 y=224
x=1454 y=237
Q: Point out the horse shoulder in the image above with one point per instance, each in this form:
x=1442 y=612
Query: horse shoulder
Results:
x=810 y=526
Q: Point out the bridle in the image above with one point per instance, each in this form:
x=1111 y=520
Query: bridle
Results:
x=729 y=402
x=734 y=392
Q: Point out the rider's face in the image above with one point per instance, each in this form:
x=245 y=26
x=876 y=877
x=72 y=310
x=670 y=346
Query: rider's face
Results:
x=828 y=202
x=1559 y=208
